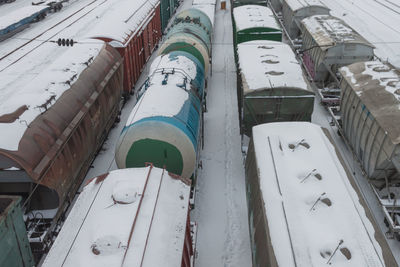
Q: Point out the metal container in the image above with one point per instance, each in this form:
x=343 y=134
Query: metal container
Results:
x=59 y=145
x=164 y=127
x=294 y=11
x=165 y=13
x=237 y=3
x=132 y=217
x=304 y=207
x=191 y=32
x=370 y=116
x=329 y=43
x=14 y=245
x=272 y=85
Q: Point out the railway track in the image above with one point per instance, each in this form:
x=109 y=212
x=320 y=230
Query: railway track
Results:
x=48 y=30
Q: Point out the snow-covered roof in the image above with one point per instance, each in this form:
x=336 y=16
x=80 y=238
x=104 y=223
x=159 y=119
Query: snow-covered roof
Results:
x=269 y=64
x=328 y=31
x=38 y=80
x=310 y=204
x=131 y=217
x=253 y=16
x=19 y=14
x=204 y=2
x=208 y=9
x=378 y=86
x=153 y=103
x=299 y=4
x=117 y=20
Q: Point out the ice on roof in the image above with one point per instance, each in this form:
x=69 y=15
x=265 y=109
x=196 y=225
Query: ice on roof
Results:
x=36 y=82
x=298 y=4
x=131 y=217
x=19 y=14
x=311 y=207
x=254 y=16
x=327 y=31
x=269 y=64
x=377 y=85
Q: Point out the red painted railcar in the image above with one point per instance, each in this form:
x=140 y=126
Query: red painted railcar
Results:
x=135 y=37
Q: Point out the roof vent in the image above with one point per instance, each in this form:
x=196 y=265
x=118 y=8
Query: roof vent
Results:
x=124 y=193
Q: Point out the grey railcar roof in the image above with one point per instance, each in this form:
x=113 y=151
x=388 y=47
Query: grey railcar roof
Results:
x=328 y=31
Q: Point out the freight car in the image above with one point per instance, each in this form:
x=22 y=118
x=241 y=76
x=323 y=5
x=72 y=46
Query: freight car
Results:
x=236 y=3
x=20 y=19
x=370 y=116
x=14 y=245
x=56 y=108
x=134 y=30
x=304 y=207
x=191 y=32
x=131 y=217
x=294 y=11
x=271 y=85
x=254 y=22
x=329 y=43
x=164 y=126
x=370 y=93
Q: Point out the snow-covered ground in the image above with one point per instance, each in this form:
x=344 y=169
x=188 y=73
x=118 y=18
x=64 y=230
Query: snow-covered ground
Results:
x=376 y=20
x=221 y=212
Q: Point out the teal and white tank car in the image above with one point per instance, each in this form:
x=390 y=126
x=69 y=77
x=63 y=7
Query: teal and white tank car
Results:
x=164 y=126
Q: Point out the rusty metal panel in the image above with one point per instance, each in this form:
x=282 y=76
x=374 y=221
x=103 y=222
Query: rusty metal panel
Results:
x=57 y=148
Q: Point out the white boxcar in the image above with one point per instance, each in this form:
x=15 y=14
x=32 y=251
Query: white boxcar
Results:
x=294 y=11
x=305 y=209
x=130 y=217
x=329 y=43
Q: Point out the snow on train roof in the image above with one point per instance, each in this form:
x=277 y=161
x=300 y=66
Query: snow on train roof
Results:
x=269 y=64
x=310 y=204
x=152 y=103
x=298 y=4
x=377 y=84
x=328 y=31
x=121 y=220
x=207 y=9
x=116 y=19
x=204 y=2
x=40 y=77
x=18 y=15
x=253 y=16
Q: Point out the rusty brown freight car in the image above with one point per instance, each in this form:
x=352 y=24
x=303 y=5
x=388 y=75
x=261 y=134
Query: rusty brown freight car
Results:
x=68 y=108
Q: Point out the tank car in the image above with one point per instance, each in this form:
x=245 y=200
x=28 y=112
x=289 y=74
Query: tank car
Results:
x=191 y=32
x=163 y=128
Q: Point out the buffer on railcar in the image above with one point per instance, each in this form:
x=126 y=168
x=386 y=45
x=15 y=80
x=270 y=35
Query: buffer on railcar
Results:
x=305 y=208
